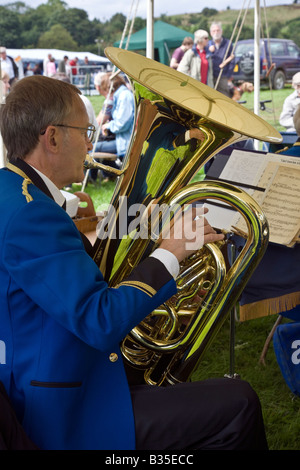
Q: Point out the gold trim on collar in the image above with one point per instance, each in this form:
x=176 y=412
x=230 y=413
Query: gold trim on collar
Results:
x=25 y=183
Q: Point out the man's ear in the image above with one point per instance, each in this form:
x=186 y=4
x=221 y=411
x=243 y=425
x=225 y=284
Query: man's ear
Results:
x=52 y=138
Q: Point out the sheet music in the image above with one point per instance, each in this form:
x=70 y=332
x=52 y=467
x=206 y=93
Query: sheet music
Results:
x=244 y=167
x=279 y=175
x=283 y=159
x=281 y=204
x=248 y=167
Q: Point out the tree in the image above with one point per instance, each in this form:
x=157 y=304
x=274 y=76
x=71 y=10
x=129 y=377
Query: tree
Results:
x=76 y=22
x=291 y=30
x=9 y=28
x=57 y=38
x=30 y=37
x=17 y=7
x=209 y=11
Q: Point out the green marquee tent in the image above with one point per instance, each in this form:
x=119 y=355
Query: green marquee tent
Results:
x=165 y=36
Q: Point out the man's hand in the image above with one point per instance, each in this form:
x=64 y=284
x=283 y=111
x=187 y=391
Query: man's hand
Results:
x=189 y=232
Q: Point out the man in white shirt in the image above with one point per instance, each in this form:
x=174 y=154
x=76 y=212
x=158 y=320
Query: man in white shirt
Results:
x=8 y=65
x=45 y=63
x=290 y=105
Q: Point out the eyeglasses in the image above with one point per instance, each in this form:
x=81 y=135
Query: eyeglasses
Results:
x=89 y=131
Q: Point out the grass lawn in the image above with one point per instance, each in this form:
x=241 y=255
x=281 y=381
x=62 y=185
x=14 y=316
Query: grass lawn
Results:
x=281 y=409
x=273 y=109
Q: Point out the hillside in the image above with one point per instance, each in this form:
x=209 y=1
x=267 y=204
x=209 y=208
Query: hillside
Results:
x=281 y=13
x=281 y=21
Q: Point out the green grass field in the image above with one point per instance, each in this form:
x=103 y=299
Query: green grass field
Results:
x=281 y=409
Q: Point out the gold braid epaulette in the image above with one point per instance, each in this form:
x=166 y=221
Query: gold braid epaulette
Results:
x=25 y=183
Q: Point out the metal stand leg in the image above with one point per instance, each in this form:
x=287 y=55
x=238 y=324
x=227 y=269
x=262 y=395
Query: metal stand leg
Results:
x=233 y=316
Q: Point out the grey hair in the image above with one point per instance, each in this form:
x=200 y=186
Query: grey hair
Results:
x=296 y=79
x=199 y=35
x=34 y=103
x=99 y=78
x=216 y=23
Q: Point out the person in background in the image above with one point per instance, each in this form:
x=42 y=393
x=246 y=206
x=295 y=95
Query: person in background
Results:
x=45 y=64
x=51 y=67
x=62 y=64
x=118 y=121
x=62 y=325
x=177 y=55
x=196 y=61
x=8 y=65
x=220 y=47
x=103 y=86
x=5 y=86
x=294 y=150
x=28 y=70
x=290 y=105
x=37 y=70
x=74 y=70
x=86 y=72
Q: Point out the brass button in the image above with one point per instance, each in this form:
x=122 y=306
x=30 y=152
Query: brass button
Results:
x=113 y=357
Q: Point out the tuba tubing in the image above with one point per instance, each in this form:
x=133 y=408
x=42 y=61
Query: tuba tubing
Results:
x=180 y=124
x=239 y=274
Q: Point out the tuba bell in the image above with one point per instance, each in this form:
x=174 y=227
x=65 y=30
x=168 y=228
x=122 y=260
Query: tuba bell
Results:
x=164 y=155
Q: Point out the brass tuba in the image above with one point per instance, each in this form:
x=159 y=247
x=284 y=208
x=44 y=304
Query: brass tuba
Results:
x=164 y=155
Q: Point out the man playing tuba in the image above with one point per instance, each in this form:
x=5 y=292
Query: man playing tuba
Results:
x=60 y=322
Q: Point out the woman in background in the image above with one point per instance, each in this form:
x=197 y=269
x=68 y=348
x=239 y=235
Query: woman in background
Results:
x=196 y=61
x=5 y=86
x=117 y=123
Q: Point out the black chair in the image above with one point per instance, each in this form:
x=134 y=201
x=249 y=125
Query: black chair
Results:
x=12 y=435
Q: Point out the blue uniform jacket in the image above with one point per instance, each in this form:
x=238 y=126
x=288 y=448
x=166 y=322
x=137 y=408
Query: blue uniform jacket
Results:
x=60 y=325
x=293 y=151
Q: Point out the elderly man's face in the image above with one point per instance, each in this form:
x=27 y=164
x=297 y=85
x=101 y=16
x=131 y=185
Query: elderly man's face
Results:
x=3 y=55
x=74 y=146
x=216 y=32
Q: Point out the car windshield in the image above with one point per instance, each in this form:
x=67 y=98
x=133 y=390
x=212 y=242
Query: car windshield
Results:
x=243 y=48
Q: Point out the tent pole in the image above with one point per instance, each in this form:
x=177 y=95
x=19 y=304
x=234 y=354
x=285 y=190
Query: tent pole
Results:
x=256 y=61
x=256 y=57
x=150 y=39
